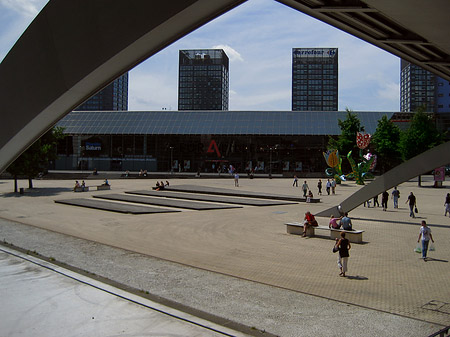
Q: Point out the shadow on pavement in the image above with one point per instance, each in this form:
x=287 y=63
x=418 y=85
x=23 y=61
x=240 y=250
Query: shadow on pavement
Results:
x=430 y=259
x=357 y=277
x=417 y=223
x=37 y=192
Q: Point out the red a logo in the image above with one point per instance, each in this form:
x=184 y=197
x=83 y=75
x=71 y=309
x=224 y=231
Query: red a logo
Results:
x=213 y=147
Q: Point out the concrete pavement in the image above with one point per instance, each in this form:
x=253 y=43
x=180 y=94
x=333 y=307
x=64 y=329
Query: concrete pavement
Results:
x=389 y=289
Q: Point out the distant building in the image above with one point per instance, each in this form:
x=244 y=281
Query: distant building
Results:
x=203 y=82
x=421 y=88
x=314 y=79
x=112 y=98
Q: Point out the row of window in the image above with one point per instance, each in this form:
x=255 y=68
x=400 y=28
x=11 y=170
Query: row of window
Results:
x=314 y=72
x=315 y=66
x=315 y=98
x=184 y=68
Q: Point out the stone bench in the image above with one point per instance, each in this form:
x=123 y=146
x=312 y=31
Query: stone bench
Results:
x=81 y=189
x=311 y=200
x=103 y=187
x=354 y=236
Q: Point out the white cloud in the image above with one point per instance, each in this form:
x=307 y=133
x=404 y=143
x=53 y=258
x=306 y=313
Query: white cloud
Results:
x=15 y=16
x=29 y=8
x=390 y=92
x=232 y=54
x=151 y=91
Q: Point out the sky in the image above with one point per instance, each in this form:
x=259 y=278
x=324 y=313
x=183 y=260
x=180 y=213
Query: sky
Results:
x=258 y=37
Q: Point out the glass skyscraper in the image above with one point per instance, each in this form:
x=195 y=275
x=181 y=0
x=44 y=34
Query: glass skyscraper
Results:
x=417 y=88
x=421 y=88
x=203 y=82
x=314 y=79
x=114 y=97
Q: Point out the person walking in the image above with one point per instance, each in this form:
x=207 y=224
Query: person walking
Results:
x=305 y=189
x=447 y=204
x=412 y=204
x=425 y=234
x=295 y=183
x=333 y=186
x=375 y=201
x=236 y=179
x=328 y=186
x=395 y=195
x=384 y=200
x=343 y=246
x=319 y=186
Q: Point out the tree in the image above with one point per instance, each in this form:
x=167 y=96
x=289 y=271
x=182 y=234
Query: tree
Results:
x=36 y=157
x=346 y=142
x=421 y=135
x=386 y=141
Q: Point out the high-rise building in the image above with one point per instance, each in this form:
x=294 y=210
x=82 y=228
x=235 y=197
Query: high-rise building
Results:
x=314 y=79
x=203 y=81
x=421 y=88
x=114 y=97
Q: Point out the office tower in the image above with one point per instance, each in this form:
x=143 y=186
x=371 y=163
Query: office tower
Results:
x=421 y=88
x=314 y=79
x=203 y=80
x=114 y=97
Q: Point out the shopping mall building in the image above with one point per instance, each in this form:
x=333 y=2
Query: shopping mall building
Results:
x=191 y=141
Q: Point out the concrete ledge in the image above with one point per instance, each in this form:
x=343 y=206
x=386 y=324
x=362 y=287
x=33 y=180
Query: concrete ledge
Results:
x=354 y=236
x=81 y=189
x=103 y=187
x=297 y=228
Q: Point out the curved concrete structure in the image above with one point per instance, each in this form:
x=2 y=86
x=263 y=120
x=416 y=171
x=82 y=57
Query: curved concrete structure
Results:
x=425 y=162
x=75 y=48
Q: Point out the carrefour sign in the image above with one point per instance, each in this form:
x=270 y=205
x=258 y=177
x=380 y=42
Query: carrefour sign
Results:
x=315 y=52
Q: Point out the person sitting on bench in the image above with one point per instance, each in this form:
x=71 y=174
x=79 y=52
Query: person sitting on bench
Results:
x=334 y=222
x=310 y=221
x=346 y=222
x=309 y=196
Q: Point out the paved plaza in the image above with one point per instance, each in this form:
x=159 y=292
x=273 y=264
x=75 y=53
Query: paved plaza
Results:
x=240 y=265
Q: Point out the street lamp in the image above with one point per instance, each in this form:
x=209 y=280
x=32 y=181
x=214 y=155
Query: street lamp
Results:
x=171 y=159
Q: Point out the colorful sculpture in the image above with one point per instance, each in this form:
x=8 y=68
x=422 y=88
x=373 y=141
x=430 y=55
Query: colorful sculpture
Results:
x=360 y=171
x=334 y=162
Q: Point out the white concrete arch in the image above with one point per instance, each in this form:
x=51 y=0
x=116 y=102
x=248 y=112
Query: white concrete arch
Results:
x=75 y=48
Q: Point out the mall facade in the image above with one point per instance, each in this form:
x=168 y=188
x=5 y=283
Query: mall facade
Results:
x=192 y=141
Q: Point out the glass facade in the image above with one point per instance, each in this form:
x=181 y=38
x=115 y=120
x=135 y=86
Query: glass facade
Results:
x=286 y=141
x=314 y=79
x=192 y=153
x=421 y=88
x=114 y=97
x=417 y=88
x=203 y=82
